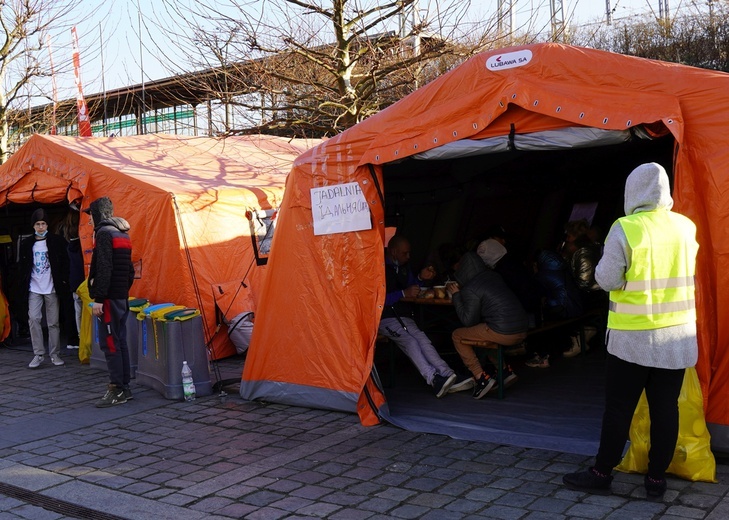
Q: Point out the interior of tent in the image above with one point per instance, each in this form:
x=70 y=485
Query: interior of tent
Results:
x=531 y=191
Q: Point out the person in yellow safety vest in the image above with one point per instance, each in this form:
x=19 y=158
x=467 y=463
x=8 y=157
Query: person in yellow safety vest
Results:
x=648 y=266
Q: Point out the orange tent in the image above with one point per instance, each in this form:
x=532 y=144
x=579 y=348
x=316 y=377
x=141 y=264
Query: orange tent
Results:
x=329 y=287
x=186 y=199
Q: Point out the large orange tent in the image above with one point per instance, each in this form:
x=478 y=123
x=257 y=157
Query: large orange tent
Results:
x=468 y=125
x=186 y=199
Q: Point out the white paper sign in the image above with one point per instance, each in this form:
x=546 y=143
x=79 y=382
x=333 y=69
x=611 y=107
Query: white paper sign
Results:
x=339 y=208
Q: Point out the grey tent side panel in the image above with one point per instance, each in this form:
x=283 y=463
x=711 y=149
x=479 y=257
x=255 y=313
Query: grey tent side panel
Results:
x=299 y=395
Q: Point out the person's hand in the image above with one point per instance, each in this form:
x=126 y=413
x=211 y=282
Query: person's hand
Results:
x=97 y=309
x=427 y=273
x=412 y=291
x=452 y=288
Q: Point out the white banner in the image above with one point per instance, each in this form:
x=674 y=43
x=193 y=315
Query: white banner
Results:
x=339 y=208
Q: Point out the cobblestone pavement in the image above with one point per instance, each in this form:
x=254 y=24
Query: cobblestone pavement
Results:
x=222 y=457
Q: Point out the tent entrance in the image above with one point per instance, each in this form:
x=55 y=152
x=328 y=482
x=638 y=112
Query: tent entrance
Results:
x=14 y=225
x=531 y=194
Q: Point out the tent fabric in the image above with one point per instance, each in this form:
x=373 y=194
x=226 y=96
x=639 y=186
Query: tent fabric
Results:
x=185 y=198
x=330 y=288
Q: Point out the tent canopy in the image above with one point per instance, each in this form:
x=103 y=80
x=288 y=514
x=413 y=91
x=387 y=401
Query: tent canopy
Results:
x=186 y=199
x=330 y=287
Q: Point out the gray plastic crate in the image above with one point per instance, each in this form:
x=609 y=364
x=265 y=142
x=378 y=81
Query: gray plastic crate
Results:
x=163 y=346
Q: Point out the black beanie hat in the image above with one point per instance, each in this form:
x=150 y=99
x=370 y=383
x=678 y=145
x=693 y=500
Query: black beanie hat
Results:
x=100 y=209
x=38 y=215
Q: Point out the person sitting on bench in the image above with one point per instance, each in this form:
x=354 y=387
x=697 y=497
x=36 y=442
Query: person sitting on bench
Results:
x=397 y=323
x=490 y=312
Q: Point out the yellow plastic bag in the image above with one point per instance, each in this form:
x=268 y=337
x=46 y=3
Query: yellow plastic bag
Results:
x=693 y=459
x=84 y=335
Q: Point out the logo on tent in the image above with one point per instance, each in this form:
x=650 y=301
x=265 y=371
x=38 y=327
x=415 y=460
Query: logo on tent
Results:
x=509 y=60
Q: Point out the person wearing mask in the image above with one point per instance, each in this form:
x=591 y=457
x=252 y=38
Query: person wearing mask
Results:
x=43 y=266
x=648 y=266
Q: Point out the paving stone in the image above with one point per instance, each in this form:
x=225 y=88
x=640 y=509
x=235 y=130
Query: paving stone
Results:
x=254 y=460
x=484 y=494
x=431 y=500
x=442 y=514
x=351 y=514
x=515 y=499
x=464 y=505
x=409 y=511
x=700 y=500
x=686 y=512
x=319 y=509
x=262 y=498
x=267 y=513
x=292 y=504
x=550 y=505
x=502 y=512
x=379 y=505
x=313 y=492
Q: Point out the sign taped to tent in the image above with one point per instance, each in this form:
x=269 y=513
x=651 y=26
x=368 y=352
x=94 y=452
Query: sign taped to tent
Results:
x=339 y=208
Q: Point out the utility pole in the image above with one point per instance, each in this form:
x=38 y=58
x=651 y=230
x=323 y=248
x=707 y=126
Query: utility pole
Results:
x=557 y=17
x=608 y=13
x=663 y=13
x=505 y=23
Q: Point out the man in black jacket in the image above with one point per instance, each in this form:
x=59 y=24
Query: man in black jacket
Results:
x=110 y=278
x=489 y=312
x=44 y=279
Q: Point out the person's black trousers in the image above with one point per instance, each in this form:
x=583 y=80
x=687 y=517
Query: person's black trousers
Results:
x=623 y=387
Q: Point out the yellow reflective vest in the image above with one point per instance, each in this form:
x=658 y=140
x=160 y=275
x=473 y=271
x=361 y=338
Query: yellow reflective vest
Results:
x=659 y=284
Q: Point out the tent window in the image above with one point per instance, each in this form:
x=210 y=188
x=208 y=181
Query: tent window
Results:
x=262 y=224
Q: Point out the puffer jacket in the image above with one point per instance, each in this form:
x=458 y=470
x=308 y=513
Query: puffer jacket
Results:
x=484 y=297
x=583 y=263
x=112 y=273
x=563 y=298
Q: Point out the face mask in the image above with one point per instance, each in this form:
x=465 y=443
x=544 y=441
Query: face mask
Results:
x=41 y=235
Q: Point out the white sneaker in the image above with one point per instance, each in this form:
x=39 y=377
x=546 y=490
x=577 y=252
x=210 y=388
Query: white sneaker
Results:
x=57 y=360
x=72 y=346
x=37 y=360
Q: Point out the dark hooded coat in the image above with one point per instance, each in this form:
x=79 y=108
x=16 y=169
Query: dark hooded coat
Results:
x=484 y=297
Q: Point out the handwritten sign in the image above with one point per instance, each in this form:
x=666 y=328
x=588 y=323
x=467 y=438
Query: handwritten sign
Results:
x=339 y=208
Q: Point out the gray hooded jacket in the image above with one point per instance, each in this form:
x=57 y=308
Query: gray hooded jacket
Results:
x=484 y=297
x=646 y=189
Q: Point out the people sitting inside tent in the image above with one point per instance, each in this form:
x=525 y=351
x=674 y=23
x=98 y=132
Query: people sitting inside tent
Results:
x=518 y=278
x=398 y=325
x=582 y=251
x=490 y=312
x=562 y=300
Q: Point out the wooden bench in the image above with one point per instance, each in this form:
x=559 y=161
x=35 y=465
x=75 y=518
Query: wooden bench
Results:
x=580 y=320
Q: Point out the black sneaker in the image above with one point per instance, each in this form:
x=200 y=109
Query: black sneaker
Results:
x=113 y=396
x=483 y=385
x=589 y=481
x=655 y=488
x=509 y=379
x=128 y=393
x=441 y=384
x=462 y=383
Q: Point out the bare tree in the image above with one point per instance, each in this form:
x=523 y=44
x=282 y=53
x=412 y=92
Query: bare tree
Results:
x=24 y=28
x=697 y=35
x=317 y=67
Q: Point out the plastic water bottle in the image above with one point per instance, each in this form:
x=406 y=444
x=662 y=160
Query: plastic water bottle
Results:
x=188 y=386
